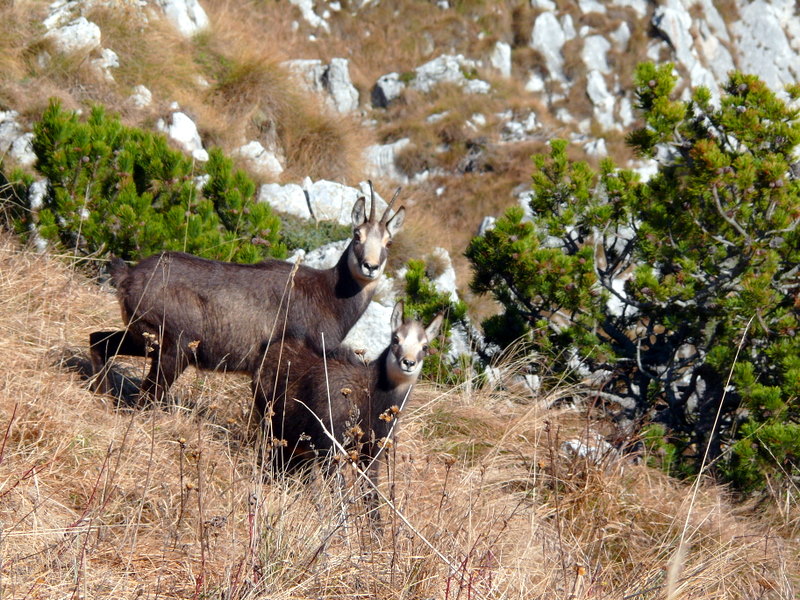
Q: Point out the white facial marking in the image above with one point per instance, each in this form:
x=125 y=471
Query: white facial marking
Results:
x=366 y=260
x=405 y=359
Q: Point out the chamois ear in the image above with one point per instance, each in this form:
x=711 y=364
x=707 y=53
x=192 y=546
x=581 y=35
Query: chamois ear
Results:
x=397 y=316
x=433 y=329
x=359 y=212
x=396 y=222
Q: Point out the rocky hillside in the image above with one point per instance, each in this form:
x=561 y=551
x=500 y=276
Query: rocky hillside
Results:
x=448 y=99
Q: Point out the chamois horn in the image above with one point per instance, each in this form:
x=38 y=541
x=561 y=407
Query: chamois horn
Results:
x=386 y=213
x=371 y=202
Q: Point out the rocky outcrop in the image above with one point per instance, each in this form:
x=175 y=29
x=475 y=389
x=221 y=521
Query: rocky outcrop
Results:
x=180 y=128
x=331 y=81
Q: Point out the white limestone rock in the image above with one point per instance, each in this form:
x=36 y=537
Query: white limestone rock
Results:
x=312 y=18
x=10 y=129
x=596 y=147
x=381 y=161
x=448 y=68
x=37 y=192
x=387 y=89
x=762 y=46
x=500 y=58
x=535 y=83
x=260 y=159
x=594 y=53
x=183 y=131
x=591 y=6
x=487 y=224
x=141 y=97
x=443 y=275
x=548 y=38
x=602 y=100
x=108 y=60
x=372 y=332
x=187 y=16
x=332 y=81
x=621 y=36
x=22 y=150
x=289 y=199
x=640 y=7
x=79 y=35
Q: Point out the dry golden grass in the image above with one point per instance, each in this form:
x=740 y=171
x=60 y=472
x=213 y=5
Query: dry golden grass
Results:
x=98 y=501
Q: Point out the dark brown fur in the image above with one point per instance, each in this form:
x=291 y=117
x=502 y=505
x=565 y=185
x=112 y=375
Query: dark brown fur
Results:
x=293 y=392
x=180 y=309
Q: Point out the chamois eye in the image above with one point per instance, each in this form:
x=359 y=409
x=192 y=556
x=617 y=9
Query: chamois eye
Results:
x=425 y=348
x=356 y=235
x=395 y=339
x=389 y=243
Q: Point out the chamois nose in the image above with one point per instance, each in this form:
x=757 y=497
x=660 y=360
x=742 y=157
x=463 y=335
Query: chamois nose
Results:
x=408 y=363
x=369 y=267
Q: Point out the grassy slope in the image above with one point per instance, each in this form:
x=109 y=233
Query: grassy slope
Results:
x=102 y=502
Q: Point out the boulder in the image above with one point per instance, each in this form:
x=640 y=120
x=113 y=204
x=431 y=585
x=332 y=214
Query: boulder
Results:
x=548 y=38
x=602 y=100
x=307 y=10
x=79 y=35
x=108 y=60
x=380 y=159
x=762 y=46
x=448 y=68
x=594 y=54
x=289 y=199
x=500 y=58
x=260 y=159
x=322 y=200
x=387 y=89
x=10 y=129
x=332 y=81
x=22 y=150
x=187 y=16
x=183 y=131
x=141 y=97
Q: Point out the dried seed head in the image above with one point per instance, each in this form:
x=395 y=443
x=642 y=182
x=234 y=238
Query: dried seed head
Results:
x=352 y=455
x=385 y=443
x=193 y=345
x=346 y=392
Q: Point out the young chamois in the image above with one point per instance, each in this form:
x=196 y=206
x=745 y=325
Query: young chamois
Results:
x=181 y=309
x=299 y=392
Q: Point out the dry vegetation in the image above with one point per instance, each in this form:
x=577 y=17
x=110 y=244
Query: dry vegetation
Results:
x=104 y=501
x=101 y=501
x=230 y=80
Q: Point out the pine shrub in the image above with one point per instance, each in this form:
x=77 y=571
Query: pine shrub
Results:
x=680 y=295
x=423 y=302
x=124 y=191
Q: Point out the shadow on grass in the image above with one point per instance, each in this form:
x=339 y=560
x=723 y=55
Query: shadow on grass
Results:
x=124 y=387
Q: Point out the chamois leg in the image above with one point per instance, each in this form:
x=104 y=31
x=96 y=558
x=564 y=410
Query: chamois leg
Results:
x=165 y=368
x=105 y=344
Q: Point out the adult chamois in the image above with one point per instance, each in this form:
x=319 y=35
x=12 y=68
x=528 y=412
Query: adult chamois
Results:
x=302 y=395
x=183 y=310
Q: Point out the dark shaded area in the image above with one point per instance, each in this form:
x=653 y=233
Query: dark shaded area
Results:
x=124 y=386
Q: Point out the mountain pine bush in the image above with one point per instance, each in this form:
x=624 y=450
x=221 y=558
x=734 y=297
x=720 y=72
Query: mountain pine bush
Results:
x=121 y=190
x=423 y=302
x=665 y=289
